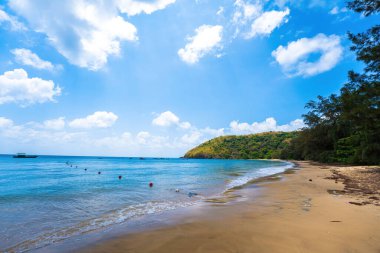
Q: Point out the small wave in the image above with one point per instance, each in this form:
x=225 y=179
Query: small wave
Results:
x=245 y=179
x=111 y=218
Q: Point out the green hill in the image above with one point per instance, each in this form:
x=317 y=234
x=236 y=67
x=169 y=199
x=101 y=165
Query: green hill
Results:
x=254 y=146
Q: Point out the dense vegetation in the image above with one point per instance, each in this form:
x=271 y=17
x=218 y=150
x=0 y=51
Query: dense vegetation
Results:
x=341 y=128
x=255 y=146
x=345 y=128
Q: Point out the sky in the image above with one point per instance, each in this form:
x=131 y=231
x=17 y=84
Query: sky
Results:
x=156 y=78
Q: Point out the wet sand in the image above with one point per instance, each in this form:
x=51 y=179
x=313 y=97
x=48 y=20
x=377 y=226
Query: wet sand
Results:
x=307 y=210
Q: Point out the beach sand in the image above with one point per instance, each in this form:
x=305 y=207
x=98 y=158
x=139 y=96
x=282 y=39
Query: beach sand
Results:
x=307 y=210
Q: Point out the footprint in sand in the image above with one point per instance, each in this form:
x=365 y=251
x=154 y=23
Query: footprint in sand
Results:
x=306 y=204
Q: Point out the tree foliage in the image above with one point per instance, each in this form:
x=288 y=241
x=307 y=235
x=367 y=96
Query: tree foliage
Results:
x=255 y=146
x=345 y=128
x=367 y=7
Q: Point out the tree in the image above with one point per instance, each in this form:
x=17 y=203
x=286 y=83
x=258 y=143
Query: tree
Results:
x=366 y=7
x=346 y=127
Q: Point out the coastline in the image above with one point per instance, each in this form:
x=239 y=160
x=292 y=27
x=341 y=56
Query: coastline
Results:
x=307 y=209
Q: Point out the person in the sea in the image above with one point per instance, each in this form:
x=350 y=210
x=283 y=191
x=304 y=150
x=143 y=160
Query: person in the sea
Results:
x=191 y=194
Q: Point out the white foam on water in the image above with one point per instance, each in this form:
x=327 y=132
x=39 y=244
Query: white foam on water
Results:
x=267 y=171
x=104 y=221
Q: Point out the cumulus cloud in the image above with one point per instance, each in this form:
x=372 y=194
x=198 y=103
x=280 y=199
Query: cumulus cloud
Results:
x=4 y=122
x=267 y=22
x=12 y=21
x=294 y=58
x=185 y=125
x=55 y=124
x=132 y=7
x=250 y=19
x=84 y=32
x=17 y=87
x=245 y=11
x=167 y=119
x=142 y=137
x=152 y=141
x=207 y=38
x=100 y=119
x=213 y=132
x=27 y=57
x=270 y=124
x=191 y=138
x=197 y=136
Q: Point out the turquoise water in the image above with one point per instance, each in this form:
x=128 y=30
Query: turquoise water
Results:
x=51 y=198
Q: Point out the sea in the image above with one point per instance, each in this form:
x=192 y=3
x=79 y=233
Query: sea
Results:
x=48 y=199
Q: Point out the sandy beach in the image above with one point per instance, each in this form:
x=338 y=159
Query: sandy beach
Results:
x=316 y=208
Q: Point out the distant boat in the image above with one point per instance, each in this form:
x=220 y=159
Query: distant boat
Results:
x=23 y=155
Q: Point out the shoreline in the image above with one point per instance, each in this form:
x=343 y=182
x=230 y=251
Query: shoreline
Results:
x=293 y=211
x=162 y=219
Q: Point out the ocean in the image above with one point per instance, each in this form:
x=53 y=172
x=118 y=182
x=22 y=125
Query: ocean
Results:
x=52 y=198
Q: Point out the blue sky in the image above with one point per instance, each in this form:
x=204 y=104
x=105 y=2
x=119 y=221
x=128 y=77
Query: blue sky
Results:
x=155 y=78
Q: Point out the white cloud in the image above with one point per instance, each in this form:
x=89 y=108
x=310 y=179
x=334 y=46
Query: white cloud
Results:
x=206 y=39
x=167 y=119
x=152 y=141
x=84 y=32
x=270 y=124
x=185 y=125
x=55 y=124
x=191 y=138
x=132 y=7
x=213 y=132
x=336 y=10
x=267 y=22
x=99 y=119
x=126 y=136
x=4 y=122
x=197 y=136
x=13 y=22
x=220 y=11
x=249 y=19
x=27 y=57
x=245 y=12
x=293 y=125
x=17 y=87
x=32 y=136
x=294 y=57
x=142 y=137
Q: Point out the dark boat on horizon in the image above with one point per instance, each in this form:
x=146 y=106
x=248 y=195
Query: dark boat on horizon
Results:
x=23 y=155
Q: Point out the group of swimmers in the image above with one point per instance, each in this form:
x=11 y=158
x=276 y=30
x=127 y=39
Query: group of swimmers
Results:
x=191 y=194
x=99 y=172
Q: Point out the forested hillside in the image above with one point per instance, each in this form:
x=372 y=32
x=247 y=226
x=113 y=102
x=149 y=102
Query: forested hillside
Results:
x=255 y=146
